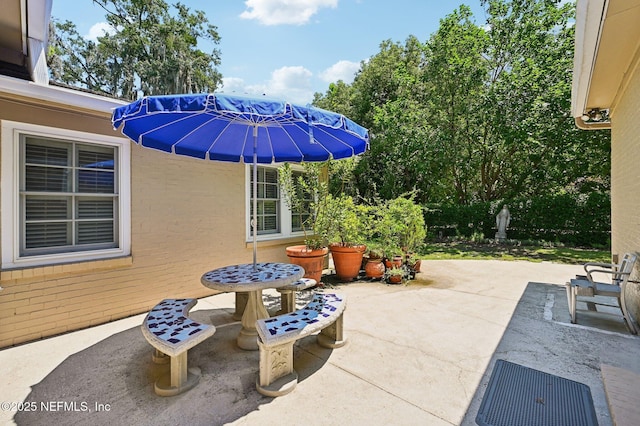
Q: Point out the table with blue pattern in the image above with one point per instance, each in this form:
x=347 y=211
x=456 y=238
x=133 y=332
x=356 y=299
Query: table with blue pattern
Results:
x=252 y=280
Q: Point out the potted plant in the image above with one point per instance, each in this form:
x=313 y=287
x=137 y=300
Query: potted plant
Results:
x=402 y=228
x=374 y=267
x=342 y=222
x=413 y=263
x=305 y=195
x=395 y=275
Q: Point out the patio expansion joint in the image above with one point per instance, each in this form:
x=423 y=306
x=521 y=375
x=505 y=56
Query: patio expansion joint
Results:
x=461 y=368
x=481 y=294
x=388 y=392
x=413 y=348
x=484 y=319
x=392 y=394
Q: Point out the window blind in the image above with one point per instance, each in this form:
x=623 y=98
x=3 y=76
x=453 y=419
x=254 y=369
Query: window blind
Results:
x=68 y=196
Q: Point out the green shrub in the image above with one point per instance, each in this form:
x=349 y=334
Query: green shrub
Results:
x=402 y=224
x=574 y=219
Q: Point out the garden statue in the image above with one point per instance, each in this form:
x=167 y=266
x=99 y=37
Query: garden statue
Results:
x=502 y=222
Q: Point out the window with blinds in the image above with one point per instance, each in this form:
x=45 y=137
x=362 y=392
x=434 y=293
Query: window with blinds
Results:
x=68 y=196
x=268 y=201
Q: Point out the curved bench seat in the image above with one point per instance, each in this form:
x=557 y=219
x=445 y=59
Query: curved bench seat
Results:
x=277 y=335
x=172 y=333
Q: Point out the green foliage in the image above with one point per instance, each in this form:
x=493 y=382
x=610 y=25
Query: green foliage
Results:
x=479 y=112
x=342 y=221
x=402 y=224
x=395 y=271
x=570 y=218
x=340 y=176
x=152 y=50
x=306 y=195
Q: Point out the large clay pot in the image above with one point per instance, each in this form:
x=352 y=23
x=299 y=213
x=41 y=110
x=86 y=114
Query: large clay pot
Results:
x=311 y=260
x=347 y=260
x=374 y=268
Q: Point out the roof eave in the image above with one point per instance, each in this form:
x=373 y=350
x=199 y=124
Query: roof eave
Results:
x=46 y=94
x=589 y=21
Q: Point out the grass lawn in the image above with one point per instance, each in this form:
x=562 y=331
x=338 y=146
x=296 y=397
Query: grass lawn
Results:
x=470 y=250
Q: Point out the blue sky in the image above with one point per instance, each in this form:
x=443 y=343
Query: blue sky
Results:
x=292 y=48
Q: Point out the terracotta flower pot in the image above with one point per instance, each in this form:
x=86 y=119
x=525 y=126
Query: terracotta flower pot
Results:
x=394 y=279
x=311 y=260
x=374 y=268
x=347 y=260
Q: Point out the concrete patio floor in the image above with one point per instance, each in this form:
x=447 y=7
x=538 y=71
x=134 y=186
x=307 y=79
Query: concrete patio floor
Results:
x=418 y=354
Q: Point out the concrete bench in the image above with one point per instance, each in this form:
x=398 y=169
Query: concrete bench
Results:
x=168 y=329
x=288 y=294
x=277 y=335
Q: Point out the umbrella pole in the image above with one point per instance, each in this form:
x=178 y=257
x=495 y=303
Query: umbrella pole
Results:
x=255 y=197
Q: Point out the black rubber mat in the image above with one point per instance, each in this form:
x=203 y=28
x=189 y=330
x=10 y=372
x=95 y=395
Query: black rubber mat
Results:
x=521 y=396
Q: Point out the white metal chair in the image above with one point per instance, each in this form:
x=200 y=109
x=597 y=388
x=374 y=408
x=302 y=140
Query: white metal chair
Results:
x=586 y=286
x=612 y=269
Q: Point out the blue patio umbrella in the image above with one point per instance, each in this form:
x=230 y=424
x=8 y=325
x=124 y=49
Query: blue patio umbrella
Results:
x=233 y=128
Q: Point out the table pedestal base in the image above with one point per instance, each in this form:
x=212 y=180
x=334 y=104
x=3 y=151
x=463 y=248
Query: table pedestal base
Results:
x=241 y=304
x=247 y=340
x=255 y=310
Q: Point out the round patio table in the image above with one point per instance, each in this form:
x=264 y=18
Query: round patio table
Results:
x=244 y=278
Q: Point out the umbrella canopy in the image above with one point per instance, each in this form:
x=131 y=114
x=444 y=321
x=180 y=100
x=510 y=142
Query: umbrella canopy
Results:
x=233 y=128
x=225 y=128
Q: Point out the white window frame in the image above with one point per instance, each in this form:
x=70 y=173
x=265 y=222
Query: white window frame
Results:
x=285 y=211
x=10 y=197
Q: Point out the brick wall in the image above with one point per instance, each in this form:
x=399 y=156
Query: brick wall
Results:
x=187 y=217
x=625 y=179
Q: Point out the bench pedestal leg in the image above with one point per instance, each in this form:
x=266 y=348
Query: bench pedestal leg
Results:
x=159 y=357
x=277 y=376
x=333 y=335
x=287 y=301
x=179 y=379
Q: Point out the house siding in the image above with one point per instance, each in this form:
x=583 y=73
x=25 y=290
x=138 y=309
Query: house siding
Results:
x=187 y=217
x=625 y=179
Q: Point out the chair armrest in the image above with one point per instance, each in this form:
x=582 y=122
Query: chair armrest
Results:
x=599 y=265
x=605 y=271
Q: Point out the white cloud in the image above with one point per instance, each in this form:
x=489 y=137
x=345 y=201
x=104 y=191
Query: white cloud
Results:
x=341 y=70
x=292 y=84
x=98 y=30
x=233 y=85
x=277 y=12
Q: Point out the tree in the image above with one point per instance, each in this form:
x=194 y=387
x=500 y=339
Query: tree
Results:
x=456 y=77
x=527 y=101
x=388 y=99
x=150 y=52
x=477 y=112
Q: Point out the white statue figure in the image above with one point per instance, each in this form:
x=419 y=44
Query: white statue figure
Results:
x=502 y=222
